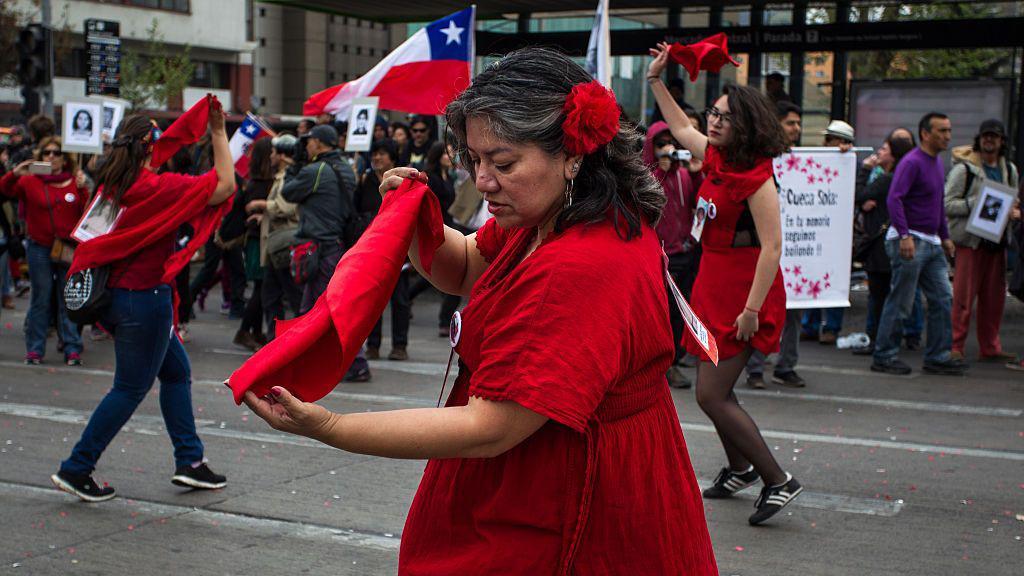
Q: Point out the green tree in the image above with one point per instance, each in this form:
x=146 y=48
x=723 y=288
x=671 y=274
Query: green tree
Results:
x=158 y=76
x=11 y=21
x=947 y=63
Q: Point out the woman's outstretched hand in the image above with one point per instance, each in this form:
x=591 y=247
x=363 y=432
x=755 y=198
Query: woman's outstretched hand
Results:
x=660 y=61
x=393 y=178
x=287 y=413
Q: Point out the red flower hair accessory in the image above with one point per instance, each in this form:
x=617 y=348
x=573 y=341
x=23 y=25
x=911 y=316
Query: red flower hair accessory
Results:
x=591 y=118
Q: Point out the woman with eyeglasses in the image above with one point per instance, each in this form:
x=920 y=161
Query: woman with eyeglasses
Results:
x=738 y=292
x=140 y=253
x=53 y=204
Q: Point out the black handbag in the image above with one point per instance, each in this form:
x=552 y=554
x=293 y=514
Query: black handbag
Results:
x=86 y=295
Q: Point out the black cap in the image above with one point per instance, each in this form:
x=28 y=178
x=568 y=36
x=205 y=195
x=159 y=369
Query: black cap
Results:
x=992 y=126
x=325 y=133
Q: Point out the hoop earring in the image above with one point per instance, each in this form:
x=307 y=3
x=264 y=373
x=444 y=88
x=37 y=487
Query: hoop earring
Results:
x=568 y=192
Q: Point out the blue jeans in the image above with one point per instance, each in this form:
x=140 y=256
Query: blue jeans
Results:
x=929 y=271
x=913 y=325
x=140 y=321
x=46 y=277
x=833 y=321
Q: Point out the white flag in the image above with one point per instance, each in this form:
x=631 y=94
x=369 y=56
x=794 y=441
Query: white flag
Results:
x=599 y=53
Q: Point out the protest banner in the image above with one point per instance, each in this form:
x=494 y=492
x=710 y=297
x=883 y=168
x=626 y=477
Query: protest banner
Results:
x=816 y=190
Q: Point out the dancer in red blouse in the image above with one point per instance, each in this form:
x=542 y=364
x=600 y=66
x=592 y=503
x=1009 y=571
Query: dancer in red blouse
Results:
x=738 y=292
x=559 y=450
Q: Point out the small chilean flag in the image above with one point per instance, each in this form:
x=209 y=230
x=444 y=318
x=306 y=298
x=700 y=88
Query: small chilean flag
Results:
x=251 y=130
x=421 y=76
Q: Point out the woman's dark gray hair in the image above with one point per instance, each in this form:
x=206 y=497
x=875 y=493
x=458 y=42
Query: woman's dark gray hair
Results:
x=521 y=97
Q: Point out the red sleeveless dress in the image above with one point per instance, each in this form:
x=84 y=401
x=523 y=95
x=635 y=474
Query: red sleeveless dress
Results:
x=578 y=332
x=726 y=273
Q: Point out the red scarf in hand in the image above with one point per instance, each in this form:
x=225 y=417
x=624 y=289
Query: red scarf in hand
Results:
x=311 y=353
x=709 y=54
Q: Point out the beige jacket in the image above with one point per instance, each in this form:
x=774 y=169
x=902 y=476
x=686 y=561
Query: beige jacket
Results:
x=279 y=214
x=960 y=201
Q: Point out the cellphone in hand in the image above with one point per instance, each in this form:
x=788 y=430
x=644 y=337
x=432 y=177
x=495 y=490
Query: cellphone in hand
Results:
x=40 y=168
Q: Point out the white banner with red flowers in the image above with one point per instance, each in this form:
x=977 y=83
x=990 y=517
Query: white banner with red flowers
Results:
x=816 y=190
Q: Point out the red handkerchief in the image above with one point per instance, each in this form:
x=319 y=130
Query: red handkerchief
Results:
x=311 y=353
x=709 y=54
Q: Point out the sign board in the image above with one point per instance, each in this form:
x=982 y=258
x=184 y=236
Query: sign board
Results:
x=82 y=126
x=103 y=57
x=360 y=124
x=816 y=190
x=991 y=213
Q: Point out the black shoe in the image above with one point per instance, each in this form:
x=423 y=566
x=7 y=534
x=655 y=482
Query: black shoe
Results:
x=774 y=498
x=949 y=367
x=868 y=350
x=896 y=367
x=728 y=483
x=912 y=342
x=755 y=381
x=791 y=379
x=358 y=375
x=676 y=378
x=82 y=486
x=199 y=477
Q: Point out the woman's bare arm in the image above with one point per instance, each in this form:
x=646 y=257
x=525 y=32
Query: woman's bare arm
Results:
x=678 y=122
x=481 y=429
x=764 y=207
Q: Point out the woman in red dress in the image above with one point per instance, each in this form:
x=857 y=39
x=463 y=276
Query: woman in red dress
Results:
x=738 y=292
x=559 y=450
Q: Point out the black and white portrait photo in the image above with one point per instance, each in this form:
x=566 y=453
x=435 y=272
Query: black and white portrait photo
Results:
x=991 y=214
x=82 y=126
x=360 y=124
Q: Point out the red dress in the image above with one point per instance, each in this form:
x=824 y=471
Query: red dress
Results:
x=726 y=273
x=578 y=332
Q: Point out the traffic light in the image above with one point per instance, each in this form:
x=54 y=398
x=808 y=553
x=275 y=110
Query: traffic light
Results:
x=33 y=56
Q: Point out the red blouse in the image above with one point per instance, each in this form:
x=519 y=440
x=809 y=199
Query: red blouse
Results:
x=144 y=269
x=577 y=332
x=40 y=199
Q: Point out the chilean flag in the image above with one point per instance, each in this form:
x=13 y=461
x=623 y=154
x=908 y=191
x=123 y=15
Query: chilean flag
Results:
x=251 y=130
x=421 y=76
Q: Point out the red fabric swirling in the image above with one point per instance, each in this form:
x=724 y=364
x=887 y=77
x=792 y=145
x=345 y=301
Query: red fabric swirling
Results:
x=709 y=54
x=591 y=118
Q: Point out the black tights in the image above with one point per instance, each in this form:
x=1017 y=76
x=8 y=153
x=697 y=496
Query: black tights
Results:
x=736 y=429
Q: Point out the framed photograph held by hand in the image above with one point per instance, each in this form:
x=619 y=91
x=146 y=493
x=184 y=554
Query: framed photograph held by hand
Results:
x=991 y=213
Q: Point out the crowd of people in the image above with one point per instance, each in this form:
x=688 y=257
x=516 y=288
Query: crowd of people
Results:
x=536 y=210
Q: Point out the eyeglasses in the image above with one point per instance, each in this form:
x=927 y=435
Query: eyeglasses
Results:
x=715 y=115
x=418 y=130
x=46 y=153
x=662 y=143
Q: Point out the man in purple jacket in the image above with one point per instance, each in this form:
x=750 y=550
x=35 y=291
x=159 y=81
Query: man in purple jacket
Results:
x=917 y=244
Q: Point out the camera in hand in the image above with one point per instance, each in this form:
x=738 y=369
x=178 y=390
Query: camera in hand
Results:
x=677 y=155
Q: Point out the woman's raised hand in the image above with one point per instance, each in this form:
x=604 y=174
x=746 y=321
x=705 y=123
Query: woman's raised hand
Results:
x=393 y=178
x=216 y=120
x=22 y=169
x=287 y=413
x=660 y=61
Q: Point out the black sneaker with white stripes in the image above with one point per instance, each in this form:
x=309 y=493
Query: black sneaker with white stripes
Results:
x=83 y=486
x=729 y=482
x=775 y=498
x=199 y=477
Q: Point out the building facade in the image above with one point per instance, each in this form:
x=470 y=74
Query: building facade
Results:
x=299 y=53
x=218 y=34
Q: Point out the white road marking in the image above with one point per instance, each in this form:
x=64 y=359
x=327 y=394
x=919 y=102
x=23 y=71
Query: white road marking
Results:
x=887 y=403
x=831 y=502
x=143 y=425
x=872 y=443
x=224 y=519
x=150 y=426
x=437 y=369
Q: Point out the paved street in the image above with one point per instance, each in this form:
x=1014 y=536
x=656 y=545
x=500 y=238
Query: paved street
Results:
x=903 y=475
